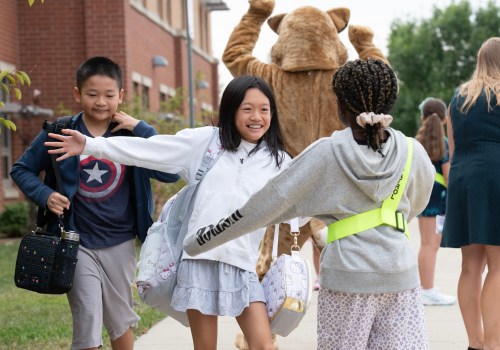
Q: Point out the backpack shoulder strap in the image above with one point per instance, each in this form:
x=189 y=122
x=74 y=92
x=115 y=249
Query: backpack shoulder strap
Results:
x=212 y=153
x=55 y=127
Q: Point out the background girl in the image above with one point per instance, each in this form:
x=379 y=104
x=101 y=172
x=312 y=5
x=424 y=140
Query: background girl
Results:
x=431 y=136
x=473 y=196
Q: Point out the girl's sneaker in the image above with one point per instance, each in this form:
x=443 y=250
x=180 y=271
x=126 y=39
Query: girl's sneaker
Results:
x=434 y=297
x=316 y=284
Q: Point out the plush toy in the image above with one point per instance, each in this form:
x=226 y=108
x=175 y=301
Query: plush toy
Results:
x=303 y=61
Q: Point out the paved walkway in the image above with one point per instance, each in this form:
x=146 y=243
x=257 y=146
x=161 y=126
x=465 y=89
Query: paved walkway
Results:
x=444 y=323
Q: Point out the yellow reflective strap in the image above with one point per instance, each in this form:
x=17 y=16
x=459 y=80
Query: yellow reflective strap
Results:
x=386 y=215
x=440 y=179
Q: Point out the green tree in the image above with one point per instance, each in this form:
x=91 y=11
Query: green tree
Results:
x=433 y=56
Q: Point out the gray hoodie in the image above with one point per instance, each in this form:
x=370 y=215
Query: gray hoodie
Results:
x=332 y=179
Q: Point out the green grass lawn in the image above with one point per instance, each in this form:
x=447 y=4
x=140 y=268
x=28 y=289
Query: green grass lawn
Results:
x=30 y=321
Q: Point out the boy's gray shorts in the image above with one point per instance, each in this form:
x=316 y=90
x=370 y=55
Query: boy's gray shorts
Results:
x=102 y=294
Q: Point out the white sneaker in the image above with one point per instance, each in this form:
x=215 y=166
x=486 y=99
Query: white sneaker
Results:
x=434 y=297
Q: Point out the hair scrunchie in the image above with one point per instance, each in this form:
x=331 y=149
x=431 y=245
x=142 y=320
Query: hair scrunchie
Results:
x=371 y=118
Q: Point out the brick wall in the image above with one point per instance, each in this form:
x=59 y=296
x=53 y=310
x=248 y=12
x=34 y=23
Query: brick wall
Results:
x=8 y=32
x=52 y=44
x=50 y=40
x=62 y=34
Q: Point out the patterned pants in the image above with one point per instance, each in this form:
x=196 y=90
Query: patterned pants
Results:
x=389 y=321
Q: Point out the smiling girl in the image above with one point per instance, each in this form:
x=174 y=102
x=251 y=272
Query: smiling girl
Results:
x=222 y=281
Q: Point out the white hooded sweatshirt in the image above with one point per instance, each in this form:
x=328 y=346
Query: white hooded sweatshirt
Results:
x=227 y=186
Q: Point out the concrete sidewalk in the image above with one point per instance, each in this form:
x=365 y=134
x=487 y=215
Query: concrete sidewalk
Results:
x=444 y=323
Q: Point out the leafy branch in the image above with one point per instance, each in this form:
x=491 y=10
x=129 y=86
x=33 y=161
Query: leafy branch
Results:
x=10 y=81
x=31 y=2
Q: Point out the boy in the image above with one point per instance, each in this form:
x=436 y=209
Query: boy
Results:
x=108 y=203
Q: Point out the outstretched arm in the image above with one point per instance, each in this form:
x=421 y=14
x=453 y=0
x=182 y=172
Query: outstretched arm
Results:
x=252 y=216
x=140 y=128
x=237 y=55
x=280 y=200
x=362 y=39
x=166 y=153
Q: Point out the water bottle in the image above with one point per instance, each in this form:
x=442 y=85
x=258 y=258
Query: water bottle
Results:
x=70 y=241
x=65 y=261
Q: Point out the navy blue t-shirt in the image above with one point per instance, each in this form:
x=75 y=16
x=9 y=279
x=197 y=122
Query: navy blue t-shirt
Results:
x=103 y=208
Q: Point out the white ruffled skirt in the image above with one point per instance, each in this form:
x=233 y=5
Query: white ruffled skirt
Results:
x=215 y=288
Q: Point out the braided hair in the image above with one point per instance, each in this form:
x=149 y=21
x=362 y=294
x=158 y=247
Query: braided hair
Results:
x=366 y=86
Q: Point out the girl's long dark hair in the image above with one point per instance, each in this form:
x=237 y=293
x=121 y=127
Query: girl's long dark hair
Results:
x=231 y=100
x=431 y=133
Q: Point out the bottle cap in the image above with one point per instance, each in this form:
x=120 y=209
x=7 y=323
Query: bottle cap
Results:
x=70 y=236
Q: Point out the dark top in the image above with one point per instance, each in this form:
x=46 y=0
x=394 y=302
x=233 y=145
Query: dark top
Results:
x=35 y=160
x=473 y=202
x=104 y=213
x=437 y=202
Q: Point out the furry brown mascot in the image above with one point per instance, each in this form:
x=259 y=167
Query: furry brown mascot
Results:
x=303 y=61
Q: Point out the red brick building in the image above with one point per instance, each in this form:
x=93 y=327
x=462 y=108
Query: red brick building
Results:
x=148 y=38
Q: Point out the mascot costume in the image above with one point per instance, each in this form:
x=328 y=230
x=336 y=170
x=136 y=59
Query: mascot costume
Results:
x=303 y=61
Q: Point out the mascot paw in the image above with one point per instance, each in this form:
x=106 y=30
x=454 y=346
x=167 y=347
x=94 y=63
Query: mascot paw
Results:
x=241 y=342
x=264 y=7
x=360 y=35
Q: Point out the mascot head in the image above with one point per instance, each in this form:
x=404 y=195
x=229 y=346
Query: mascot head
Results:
x=308 y=39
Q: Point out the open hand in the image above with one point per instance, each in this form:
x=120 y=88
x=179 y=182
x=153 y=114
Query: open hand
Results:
x=70 y=144
x=124 y=121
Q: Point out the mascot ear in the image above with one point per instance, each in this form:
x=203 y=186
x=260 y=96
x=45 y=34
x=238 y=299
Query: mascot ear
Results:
x=340 y=17
x=275 y=21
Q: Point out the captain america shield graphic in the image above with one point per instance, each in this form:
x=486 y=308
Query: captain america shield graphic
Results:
x=99 y=178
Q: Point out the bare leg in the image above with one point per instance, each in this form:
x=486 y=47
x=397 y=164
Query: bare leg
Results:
x=469 y=292
x=255 y=326
x=125 y=342
x=429 y=246
x=203 y=330
x=490 y=305
x=316 y=254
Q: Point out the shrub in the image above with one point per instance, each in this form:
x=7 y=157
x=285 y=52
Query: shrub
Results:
x=14 y=219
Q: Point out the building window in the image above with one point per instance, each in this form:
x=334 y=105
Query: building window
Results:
x=183 y=15
x=137 y=92
x=136 y=89
x=207 y=114
x=159 y=8
x=145 y=97
x=163 y=100
x=168 y=12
